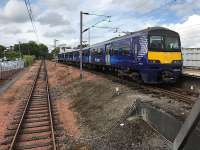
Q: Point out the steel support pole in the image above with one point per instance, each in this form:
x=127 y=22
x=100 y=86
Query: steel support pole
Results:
x=89 y=36
x=81 y=39
x=20 y=51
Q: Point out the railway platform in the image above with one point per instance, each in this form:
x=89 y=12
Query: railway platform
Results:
x=191 y=72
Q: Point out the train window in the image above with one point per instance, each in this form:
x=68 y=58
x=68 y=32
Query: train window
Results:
x=114 y=51
x=156 y=42
x=122 y=47
x=125 y=52
x=99 y=51
x=125 y=48
x=93 y=52
x=115 y=48
x=172 y=43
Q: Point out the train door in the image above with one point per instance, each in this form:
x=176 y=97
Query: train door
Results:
x=108 y=49
x=90 y=55
x=135 y=48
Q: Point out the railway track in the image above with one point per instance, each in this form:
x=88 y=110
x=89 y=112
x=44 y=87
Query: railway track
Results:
x=35 y=130
x=178 y=94
x=173 y=92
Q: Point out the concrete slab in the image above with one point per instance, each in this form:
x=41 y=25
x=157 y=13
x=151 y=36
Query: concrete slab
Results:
x=193 y=72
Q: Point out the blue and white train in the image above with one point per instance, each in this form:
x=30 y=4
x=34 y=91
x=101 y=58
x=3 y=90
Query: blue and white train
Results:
x=152 y=55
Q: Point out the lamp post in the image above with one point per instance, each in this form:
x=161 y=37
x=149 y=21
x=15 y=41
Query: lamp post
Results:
x=55 y=57
x=20 y=55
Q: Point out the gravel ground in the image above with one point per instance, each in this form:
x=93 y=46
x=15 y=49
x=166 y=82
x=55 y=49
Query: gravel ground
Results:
x=95 y=113
x=99 y=114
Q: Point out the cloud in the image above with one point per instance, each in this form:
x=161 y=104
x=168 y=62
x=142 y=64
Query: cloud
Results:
x=67 y=4
x=14 y=11
x=140 y=6
x=60 y=19
x=185 y=8
x=52 y=19
x=9 y=30
x=29 y=31
x=189 y=31
x=59 y=33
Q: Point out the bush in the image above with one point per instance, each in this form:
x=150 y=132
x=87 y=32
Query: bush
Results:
x=28 y=59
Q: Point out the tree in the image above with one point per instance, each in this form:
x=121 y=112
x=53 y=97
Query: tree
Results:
x=55 y=52
x=43 y=50
x=32 y=48
x=2 y=48
x=12 y=55
x=83 y=45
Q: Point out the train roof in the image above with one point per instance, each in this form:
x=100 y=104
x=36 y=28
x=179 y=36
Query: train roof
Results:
x=147 y=30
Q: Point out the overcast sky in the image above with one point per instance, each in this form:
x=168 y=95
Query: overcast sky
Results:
x=59 y=19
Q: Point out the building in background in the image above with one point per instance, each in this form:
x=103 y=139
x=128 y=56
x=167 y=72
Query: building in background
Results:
x=63 y=48
x=191 y=57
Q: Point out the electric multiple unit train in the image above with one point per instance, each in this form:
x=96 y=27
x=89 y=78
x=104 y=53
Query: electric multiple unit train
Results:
x=152 y=55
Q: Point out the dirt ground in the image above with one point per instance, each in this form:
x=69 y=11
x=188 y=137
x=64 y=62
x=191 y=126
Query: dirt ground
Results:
x=13 y=96
x=94 y=112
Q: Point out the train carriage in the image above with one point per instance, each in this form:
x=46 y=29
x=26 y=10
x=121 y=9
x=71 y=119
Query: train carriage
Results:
x=152 y=54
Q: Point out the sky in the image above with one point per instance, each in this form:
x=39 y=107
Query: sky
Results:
x=60 y=19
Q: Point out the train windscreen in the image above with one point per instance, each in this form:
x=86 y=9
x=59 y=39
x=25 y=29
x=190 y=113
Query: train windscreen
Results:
x=164 y=43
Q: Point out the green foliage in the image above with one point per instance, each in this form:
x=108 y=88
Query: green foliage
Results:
x=55 y=52
x=83 y=45
x=2 y=48
x=12 y=55
x=32 y=48
x=28 y=59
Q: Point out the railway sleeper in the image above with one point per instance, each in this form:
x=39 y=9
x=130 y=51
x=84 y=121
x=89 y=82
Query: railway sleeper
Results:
x=36 y=125
x=41 y=92
x=31 y=131
x=38 y=103
x=37 y=112
x=44 y=99
x=36 y=115
x=34 y=138
x=35 y=145
x=38 y=108
x=31 y=125
x=37 y=96
x=30 y=120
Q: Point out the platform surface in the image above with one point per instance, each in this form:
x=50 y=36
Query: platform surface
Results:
x=191 y=72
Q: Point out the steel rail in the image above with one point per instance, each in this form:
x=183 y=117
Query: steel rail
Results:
x=49 y=105
x=12 y=145
x=180 y=97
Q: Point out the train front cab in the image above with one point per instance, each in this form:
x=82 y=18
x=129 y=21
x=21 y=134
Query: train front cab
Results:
x=164 y=58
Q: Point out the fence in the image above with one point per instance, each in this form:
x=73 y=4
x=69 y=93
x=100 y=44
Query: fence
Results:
x=9 y=68
x=191 y=57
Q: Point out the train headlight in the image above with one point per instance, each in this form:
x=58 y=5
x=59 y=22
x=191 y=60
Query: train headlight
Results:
x=154 y=61
x=178 y=62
